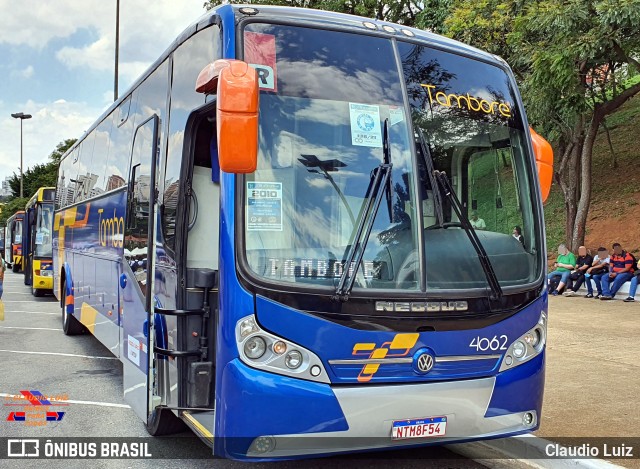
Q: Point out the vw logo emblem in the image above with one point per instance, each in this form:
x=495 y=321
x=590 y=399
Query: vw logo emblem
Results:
x=425 y=362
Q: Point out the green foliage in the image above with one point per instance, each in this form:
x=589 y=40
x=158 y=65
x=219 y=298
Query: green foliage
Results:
x=12 y=207
x=555 y=219
x=40 y=175
x=61 y=149
x=491 y=179
x=568 y=55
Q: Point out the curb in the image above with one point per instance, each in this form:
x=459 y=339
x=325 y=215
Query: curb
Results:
x=524 y=451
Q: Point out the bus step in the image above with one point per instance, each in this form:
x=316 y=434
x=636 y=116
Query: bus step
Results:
x=176 y=353
x=201 y=423
x=200 y=379
x=179 y=312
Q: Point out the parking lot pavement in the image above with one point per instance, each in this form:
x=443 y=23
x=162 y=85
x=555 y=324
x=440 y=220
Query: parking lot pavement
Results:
x=36 y=355
x=593 y=371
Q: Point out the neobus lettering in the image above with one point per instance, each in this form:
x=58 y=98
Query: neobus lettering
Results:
x=467 y=101
x=110 y=230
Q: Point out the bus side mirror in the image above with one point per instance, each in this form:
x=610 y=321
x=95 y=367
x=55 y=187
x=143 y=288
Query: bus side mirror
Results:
x=236 y=86
x=544 y=162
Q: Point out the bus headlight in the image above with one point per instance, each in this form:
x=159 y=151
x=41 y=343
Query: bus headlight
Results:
x=519 y=349
x=526 y=347
x=265 y=351
x=255 y=347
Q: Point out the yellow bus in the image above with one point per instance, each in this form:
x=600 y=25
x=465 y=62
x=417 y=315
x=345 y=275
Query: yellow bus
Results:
x=38 y=261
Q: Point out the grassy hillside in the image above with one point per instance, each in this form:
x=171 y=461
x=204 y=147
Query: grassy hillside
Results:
x=615 y=204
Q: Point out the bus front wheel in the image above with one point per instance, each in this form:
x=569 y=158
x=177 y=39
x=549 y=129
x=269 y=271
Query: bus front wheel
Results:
x=15 y=267
x=70 y=325
x=164 y=422
x=37 y=292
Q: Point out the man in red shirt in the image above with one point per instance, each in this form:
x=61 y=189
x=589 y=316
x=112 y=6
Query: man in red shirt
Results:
x=620 y=271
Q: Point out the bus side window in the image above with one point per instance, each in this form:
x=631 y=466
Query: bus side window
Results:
x=139 y=205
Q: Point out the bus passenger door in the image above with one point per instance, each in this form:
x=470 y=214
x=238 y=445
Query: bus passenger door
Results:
x=28 y=244
x=136 y=279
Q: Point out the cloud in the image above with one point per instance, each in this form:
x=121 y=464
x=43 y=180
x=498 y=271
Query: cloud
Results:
x=22 y=74
x=81 y=37
x=27 y=72
x=145 y=32
x=144 y=35
x=52 y=123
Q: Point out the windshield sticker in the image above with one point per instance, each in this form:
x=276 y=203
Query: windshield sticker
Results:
x=264 y=206
x=365 y=125
x=39 y=237
x=260 y=53
x=468 y=102
x=396 y=115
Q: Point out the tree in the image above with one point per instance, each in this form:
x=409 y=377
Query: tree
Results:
x=61 y=149
x=41 y=175
x=12 y=207
x=574 y=61
x=427 y=14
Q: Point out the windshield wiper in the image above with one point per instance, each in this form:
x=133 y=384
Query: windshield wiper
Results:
x=490 y=274
x=378 y=185
x=428 y=161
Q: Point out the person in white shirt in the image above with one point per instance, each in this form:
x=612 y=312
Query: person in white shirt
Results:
x=599 y=268
x=477 y=223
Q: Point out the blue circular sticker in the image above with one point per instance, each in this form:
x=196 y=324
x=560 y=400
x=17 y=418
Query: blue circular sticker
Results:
x=366 y=122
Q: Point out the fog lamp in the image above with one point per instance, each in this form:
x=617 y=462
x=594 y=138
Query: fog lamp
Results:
x=293 y=359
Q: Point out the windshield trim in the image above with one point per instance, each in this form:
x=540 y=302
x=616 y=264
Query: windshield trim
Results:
x=244 y=271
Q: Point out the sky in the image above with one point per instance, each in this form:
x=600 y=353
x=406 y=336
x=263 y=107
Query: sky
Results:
x=57 y=64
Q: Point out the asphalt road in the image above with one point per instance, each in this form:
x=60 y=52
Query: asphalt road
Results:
x=83 y=370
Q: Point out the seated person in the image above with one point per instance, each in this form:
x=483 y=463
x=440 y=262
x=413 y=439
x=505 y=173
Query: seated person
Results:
x=517 y=234
x=633 y=287
x=564 y=265
x=477 y=223
x=583 y=263
x=621 y=269
x=599 y=267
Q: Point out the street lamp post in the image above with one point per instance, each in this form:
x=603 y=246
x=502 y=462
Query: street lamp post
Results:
x=22 y=116
x=115 y=75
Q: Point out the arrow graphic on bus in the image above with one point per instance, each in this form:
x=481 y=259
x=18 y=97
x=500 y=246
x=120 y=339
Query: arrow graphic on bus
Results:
x=400 y=346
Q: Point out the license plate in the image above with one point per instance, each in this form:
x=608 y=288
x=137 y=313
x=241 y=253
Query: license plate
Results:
x=419 y=428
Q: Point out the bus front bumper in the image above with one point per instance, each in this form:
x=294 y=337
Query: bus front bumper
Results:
x=42 y=283
x=273 y=417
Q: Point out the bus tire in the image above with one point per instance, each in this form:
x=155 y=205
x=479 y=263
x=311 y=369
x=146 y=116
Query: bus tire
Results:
x=70 y=325
x=164 y=422
x=15 y=268
x=37 y=292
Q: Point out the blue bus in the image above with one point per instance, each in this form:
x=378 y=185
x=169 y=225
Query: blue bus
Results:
x=296 y=231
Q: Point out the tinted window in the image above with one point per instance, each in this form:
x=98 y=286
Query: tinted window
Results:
x=121 y=134
x=325 y=99
x=188 y=60
x=101 y=155
x=474 y=132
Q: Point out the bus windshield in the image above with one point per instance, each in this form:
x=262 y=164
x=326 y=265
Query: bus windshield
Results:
x=44 y=224
x=323 y=109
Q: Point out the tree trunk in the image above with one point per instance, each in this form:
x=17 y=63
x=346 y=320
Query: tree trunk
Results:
x=614 y=160
x=584 y=202
x=568 y=178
